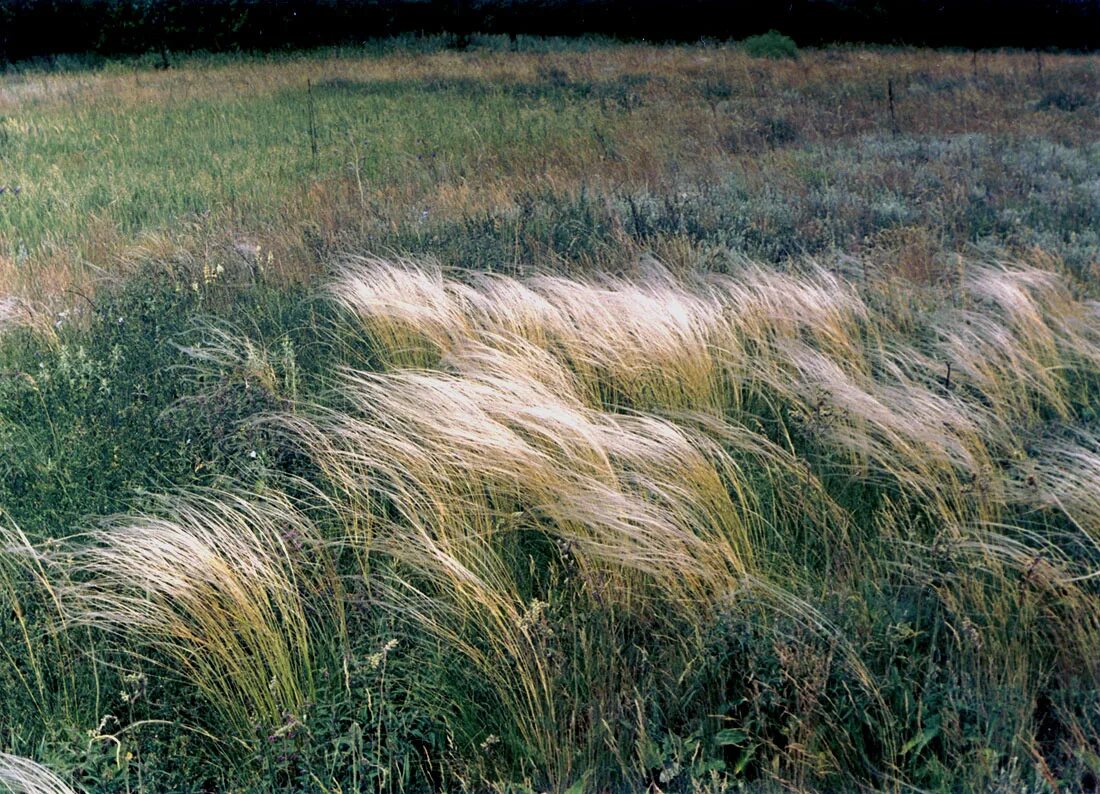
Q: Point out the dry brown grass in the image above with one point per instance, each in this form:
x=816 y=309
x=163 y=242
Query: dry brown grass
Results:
x=647 y=118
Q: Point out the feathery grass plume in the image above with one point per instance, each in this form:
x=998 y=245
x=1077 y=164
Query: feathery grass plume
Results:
x=1063 y=474
x=987 y=356
x=455 y=471
x=762 y=305
x=655 y=445
x=215 y=586
x=45 y=660
x=412 y=316
x=1021 y=623
x=1019 y=338
x=641 y=342
x=655 y=342
x=807 y=339
x=17 y=313
x=900 y=432
x=452 y=470
x=449 y=453
x=23 y=776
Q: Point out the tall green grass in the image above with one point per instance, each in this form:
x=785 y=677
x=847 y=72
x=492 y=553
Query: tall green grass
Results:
x=686 y=530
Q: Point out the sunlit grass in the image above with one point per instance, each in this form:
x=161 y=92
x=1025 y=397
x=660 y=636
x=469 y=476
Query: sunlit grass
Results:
x=608 y=527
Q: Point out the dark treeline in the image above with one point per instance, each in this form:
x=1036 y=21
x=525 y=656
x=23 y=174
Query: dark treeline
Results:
x=41 y=28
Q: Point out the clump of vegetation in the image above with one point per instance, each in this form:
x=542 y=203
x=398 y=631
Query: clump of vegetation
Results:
x=1069 y=101
x=608 y=530
x=772 y=44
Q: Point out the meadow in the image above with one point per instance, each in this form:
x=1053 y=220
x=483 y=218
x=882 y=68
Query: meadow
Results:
x=550 y=415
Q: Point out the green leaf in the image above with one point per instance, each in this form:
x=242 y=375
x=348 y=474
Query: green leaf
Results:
x=917 y=743
x=743 y=761
x=576 y=788
x=728 y=736
x=1088 y=758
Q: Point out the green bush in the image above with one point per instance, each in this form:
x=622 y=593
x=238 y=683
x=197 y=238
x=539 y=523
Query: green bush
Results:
x=772 y=44
x=1067 y=101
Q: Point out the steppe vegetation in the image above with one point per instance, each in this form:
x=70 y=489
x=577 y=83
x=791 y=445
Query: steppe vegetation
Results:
x=571 y=416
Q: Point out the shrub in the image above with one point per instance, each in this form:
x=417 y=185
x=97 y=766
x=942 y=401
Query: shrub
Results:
x=1068 y=101
x=772 y=44
x=778 y=131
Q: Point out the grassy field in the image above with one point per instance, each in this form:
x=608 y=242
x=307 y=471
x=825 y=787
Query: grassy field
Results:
x=578 y=417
